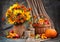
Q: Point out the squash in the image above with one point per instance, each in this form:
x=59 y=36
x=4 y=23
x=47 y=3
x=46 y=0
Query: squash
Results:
x=51 y=33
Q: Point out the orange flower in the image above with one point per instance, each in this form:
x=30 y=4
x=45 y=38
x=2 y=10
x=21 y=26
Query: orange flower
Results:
x=10 y=21
x=22 y=6
x=34 y=16
x=18 y=7
x=3 y=19
x=19 y=15
x=9 y=11
x=25 y=9
x=29 y=9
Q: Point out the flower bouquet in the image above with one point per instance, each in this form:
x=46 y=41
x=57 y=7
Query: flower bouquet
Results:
x=18 y=15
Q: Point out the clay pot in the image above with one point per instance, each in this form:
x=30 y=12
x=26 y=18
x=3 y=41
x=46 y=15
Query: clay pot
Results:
x=19 y=29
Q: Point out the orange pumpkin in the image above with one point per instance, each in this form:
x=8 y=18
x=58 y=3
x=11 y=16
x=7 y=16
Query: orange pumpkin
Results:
x=51 y=33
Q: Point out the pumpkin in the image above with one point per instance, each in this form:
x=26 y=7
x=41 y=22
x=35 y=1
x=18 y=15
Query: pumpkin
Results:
x=51 y=33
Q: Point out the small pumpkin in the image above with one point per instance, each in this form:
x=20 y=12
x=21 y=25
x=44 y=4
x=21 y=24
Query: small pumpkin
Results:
x=51 y=33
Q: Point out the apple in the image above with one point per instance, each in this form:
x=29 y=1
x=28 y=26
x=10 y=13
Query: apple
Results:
x=46 y=22
x=17 y=36
x=34 y=25
x=11 y=31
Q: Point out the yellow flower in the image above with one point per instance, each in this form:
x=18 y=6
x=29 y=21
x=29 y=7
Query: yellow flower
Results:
x=9 y=12
x=10 y=8
x=21 y=11
x=28 y=17
x=6 y=14
x=10 y=21
x=18 y=11
x=15 y=5
x=27 y=13
x=13 y=12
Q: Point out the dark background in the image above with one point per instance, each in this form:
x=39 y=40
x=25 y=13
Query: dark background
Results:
x=52 y=7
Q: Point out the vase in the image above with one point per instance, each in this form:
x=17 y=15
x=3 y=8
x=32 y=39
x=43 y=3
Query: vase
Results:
x=19 y=29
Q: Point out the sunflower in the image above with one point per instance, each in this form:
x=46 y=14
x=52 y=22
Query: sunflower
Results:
x=10 y=21
x=18 y=14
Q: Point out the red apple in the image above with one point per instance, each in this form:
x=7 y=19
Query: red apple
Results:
x=11 y=31
x=17 y=36
x=46 y=22
x=34 y=25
